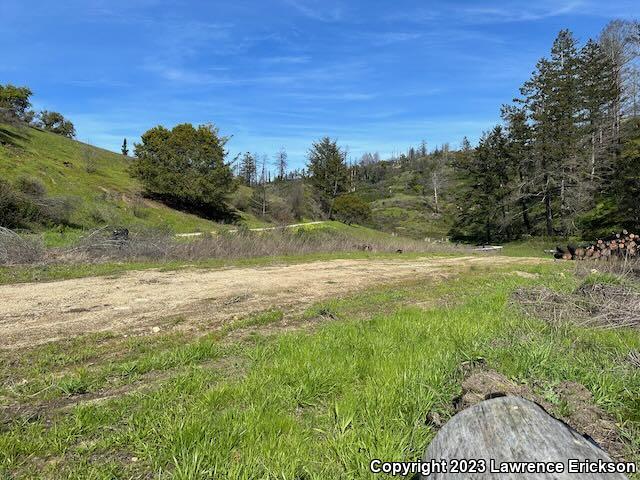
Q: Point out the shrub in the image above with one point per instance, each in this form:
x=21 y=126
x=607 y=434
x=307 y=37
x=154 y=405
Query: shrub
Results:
x=351 y=209
x=101 y=215
x=27 y=205
x=16 y=209
x=56 y=210
x=280 y=210
x=139 y=209
x=241 y=198
x=89 y=160
x=31 y=186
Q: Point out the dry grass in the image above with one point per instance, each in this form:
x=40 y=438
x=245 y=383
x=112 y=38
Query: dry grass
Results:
x=608 y=297
x=155 y=245
x=626 y=269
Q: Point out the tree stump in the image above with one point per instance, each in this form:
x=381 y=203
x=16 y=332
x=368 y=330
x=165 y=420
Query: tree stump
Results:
x=514 y=430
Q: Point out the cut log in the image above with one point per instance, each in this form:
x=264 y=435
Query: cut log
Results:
x=512 y=429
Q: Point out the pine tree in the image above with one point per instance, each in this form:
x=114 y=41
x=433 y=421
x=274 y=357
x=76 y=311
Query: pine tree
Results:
x=519 y=137
x=248 y=169
x=484 y=194
x=125 y=149
x=328 y=172
x=599 y=94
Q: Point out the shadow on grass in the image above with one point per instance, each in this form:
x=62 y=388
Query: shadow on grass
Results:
x=12 y=138
x=215 y=213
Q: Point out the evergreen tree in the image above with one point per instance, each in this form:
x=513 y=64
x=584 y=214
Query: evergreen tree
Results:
x=248 y=169
x=519 y=142
x=185 y=167
x=328 y=172
x=125 y=149
x=599 y=92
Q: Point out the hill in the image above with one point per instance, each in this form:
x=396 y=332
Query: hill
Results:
x=96 y=181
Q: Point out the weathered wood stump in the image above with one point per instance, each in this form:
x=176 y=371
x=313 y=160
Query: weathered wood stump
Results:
x=517 y=431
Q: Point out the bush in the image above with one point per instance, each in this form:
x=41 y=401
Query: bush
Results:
x=89 y=160
x=16 y=209
x=351 y=209
x=280 y=210
x=241 y=198
x=27 y=205
x=139 y=208
x=102 y=214
x=31 y=186
x=57 y=210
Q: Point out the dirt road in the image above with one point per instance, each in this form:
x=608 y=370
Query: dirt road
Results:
x=135 y=302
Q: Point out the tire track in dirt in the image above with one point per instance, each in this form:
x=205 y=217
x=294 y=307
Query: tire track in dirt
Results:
x=36 y=313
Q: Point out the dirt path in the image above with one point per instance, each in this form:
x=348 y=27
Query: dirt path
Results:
x=36 y=313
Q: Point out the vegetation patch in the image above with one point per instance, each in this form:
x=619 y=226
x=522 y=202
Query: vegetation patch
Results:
x=327 y=400
x=602 y=300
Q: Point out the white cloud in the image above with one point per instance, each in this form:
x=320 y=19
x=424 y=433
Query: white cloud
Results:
x=519 y=12
x=318 y=10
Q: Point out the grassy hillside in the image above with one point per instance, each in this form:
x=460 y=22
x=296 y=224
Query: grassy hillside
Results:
x=398 y=205
x=97 y=181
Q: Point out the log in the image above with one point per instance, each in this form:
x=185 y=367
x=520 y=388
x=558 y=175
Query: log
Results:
x=512 y=429
x=620 y=245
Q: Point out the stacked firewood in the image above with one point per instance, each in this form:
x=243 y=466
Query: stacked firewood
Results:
x=619 y=245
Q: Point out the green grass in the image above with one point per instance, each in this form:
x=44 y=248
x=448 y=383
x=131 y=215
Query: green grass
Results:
x=409 y=215
x=533 y=247
x=97 y=179
x=313 y=405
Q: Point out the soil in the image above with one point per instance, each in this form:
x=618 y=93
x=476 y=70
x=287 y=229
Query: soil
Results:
x=580 y=412
x=150 y=301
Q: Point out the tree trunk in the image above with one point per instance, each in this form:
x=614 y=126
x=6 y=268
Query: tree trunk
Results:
x=434 y=180
x=525 y=216
x=593 y=156
x=333 y=197
x=547 y=206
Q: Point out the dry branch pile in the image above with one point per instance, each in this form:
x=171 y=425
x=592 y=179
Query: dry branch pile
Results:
x=16 y=249
x=619 y=245
x=597 y=306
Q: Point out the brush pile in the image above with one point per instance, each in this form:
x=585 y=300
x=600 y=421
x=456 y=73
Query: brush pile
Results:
x=619 y=245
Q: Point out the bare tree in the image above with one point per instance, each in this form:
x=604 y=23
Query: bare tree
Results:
x=281 y=163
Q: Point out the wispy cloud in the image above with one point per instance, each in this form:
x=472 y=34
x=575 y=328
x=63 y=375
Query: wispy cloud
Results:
x=520 y=12
x=303 y=77
x=388 y=38
x=491 y=12
x=320 y=10
x=342 y=96
x=291 y=59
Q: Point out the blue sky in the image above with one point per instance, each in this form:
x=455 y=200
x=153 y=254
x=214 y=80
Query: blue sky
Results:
x=376 y=75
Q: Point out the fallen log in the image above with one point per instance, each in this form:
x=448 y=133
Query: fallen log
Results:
x=511 y=432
